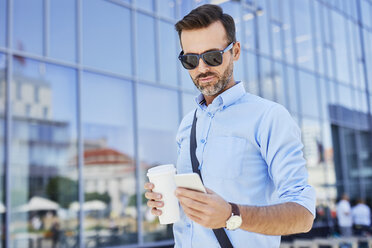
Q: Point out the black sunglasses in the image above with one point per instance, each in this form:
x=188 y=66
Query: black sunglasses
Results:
x=212 y=58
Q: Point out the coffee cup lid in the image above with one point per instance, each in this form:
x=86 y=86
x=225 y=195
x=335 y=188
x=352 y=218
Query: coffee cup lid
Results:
x=161 y=169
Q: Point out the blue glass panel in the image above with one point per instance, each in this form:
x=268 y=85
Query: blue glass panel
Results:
x=263 y=26
x=28 y=26
x=345 y=98
x=3 y=26
x=292 y=90
x=44 y=153
x=249 y=32
x=340 y=47
x=279 y=83
x=309 y=95
x=318 y=15
x=288 y=31
x=267 y=86
x=145 y=4
x=166 y=8
x=168 y=53
x=304 y=36
x=188 y=103
x=109 y=162
x=106 y=36
x=251 y=84
x=311 y=138
x=2 y=143
x=146 y=47
x=366 y=9
x=158 y=120
x=63 y=30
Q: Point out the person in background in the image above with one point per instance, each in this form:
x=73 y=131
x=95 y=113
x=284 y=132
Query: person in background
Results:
x=344 y=217
x=361 y=215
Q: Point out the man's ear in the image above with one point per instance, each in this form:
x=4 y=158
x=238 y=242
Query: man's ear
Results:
x=236 y=51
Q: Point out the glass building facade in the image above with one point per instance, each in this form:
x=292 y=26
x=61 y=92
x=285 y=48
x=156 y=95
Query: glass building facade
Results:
x=91 y=95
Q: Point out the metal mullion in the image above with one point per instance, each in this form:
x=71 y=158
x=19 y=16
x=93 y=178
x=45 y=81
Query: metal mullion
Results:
x=135 y=128
x=79 y=122
x=157 y=45
x=270 y=36
x=179 y=73
x=8 y=126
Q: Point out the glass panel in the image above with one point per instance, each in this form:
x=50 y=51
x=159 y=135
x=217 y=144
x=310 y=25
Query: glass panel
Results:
x=106 y=36
x=366 y=13
x=63 y=30
x=287 y=30
x=3 y=26
x=249 y=32
x=309 y=95
x=266 y=79
x=368 y=56
x=292 y=90
x=276 y=31
x=263 y=26
x=145 y=4
x=311 y=139
x=251 y=67
x=28 y=26
x=2 y=145
x=304 y=36
x=325 y=100
x=166 y=8
x=158 y=120
x=44 y=155
x=340 y=48
x=345 y=96
x=279 y=84
x=146 y=68
x=355 y=53
x=188 y=103
x=318 y=16
x=168 y=53
x=109 y=163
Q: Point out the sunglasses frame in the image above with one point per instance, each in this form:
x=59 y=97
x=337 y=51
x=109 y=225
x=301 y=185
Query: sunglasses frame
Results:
x=201 y=56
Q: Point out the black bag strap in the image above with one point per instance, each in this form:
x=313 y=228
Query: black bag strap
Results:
x=219 y=233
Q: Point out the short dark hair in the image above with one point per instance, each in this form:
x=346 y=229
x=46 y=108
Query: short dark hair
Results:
x=204 y=16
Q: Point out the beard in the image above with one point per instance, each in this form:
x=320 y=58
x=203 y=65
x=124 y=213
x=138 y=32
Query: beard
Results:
x=211 y=89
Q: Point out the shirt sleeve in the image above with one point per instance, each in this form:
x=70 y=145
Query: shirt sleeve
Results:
x=281 y=147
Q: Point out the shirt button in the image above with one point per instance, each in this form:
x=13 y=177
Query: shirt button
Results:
x=202 y=141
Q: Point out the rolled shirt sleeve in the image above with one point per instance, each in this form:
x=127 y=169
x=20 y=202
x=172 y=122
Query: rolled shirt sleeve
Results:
x=281 y=148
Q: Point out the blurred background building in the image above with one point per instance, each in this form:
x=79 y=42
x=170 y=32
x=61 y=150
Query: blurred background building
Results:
x=96 y=93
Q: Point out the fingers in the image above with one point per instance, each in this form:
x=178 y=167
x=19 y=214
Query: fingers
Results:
x=153 y=199
x=149 y=186
x=156 y=212
x=152 y=195
x=155 y=204
x=192 y=204
x=192 y=194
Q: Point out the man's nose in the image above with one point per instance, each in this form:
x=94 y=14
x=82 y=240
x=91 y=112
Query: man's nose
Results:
x=202 y=67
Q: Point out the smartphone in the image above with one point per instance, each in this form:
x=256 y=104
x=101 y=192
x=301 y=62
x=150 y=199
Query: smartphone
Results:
x=190 y=181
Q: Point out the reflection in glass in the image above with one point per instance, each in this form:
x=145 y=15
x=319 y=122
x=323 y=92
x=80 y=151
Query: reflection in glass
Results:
x=188 y=103
x=250 y=41
x=44 y=154
x=279 y=84
x=252 y=82
x=166 y=8
x=63 y=29
x=292 y=90
x=2 y=145
x=106 y=36
x=3 y=26
x=168 y=53
x=309 y=95
x=145 y=4
x=158 y=120
x=28 y=26
x=146 y=68
x=303 y=39
x=263 y=19
x=109 y=165
x=287 y=31
x=267 y=87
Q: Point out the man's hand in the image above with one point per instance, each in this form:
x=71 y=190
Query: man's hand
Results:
x=208 y=210
x=153 y=199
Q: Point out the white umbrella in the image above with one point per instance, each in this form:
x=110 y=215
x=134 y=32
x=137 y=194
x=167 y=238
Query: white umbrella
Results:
x=37 y=203
x=89 y=205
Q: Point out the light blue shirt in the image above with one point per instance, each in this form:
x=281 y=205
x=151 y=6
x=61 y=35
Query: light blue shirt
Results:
x=250 y=153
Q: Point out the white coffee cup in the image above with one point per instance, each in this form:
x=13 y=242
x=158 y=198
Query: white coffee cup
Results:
x=162 y=177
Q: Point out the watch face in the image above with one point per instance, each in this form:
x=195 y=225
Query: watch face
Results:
x=234 y=222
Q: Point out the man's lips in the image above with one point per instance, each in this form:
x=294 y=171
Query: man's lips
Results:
x=206 y=79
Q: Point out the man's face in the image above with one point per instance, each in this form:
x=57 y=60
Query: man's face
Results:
x=210 y=80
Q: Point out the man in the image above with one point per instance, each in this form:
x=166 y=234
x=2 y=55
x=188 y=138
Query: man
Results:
x=344 y=218
x=361 y=215
x=249 y=149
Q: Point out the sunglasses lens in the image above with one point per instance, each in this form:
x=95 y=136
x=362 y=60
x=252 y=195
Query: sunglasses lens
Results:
x=213 y=58
x=189 y=61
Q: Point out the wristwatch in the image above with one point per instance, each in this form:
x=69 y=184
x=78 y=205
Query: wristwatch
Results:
x=235 y=220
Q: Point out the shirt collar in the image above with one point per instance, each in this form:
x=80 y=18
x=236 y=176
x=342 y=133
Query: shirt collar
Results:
x=225 y=99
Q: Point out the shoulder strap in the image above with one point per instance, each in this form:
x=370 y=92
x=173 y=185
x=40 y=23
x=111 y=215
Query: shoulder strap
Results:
x=219 y=233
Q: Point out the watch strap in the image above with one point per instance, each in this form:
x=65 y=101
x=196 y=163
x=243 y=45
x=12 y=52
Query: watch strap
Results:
x=234 y=209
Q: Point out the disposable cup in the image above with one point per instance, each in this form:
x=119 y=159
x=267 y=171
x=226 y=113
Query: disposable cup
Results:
x=162 y=177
